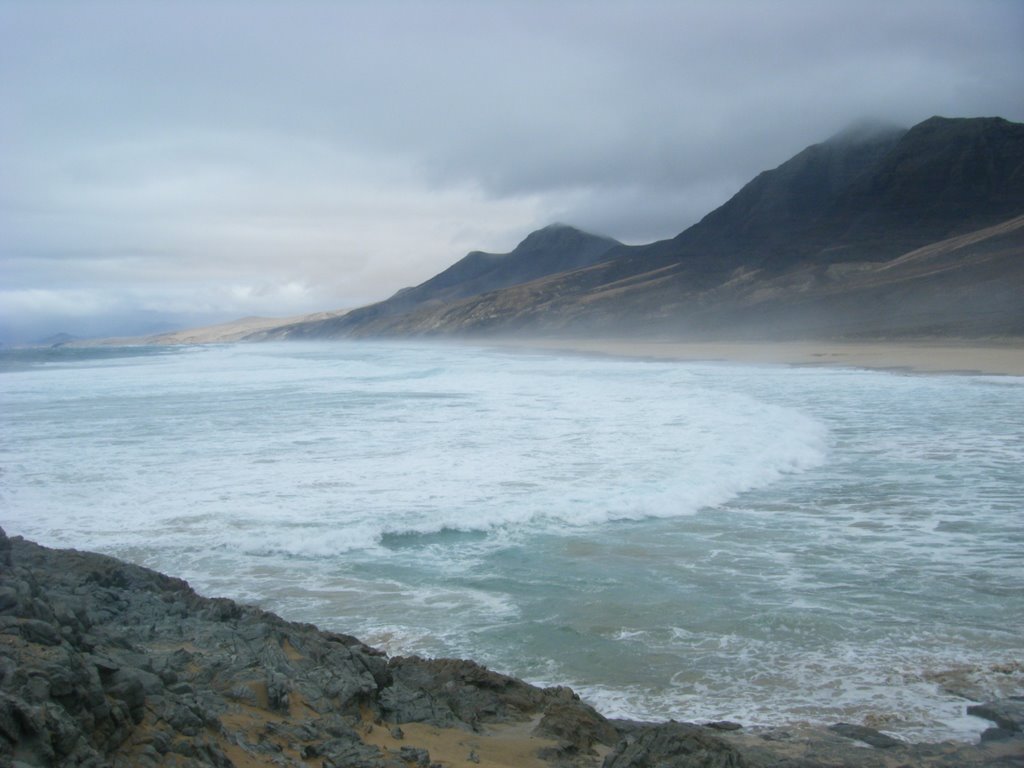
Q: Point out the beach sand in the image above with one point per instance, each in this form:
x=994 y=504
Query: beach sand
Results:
x=997 y=357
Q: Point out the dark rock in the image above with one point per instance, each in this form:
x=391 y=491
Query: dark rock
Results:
x=41 y=632
x=1008 y=714
x=723 y=725
x=5 y=549
x=865 y=734
x=999 y=734
x=157 y=675
x=131 y=691
x=414 y=755
x=149 y=682
x=576 y=724
x=442 y=691
x=278 y=688
x=674 y=745
x=8 y=598
x=404 y=704
x=341 y=753
x=38 y=689
x=182 y=719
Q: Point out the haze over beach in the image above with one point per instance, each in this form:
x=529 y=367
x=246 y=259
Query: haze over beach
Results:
x=516 y=384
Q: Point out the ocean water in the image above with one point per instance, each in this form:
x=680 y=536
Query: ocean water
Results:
x=695 y=541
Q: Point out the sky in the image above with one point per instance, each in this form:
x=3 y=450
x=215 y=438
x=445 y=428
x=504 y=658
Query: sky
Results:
x=168 y=164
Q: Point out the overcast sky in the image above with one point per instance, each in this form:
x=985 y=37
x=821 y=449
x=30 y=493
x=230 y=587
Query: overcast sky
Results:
x=167 y=164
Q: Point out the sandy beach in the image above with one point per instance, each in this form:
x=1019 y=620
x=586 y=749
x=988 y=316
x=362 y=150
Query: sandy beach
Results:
x=998 y=357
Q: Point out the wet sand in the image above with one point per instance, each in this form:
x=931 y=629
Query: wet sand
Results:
x=1001 y=357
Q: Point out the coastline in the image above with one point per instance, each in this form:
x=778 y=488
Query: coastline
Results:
x=1002 y=357
x=237 y=721
x=109 y=664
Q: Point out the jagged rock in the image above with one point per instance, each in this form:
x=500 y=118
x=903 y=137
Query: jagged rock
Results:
x=343 y=753
x=8 y=598
x=1008 y=714
x=430 y=689
x=865 y=734
x=404 y=704
x=414 y=755
x=36 y=631
x=674 y=745
x=998 y=734
x=576 y=724
x=151 y=674
x=723 y=725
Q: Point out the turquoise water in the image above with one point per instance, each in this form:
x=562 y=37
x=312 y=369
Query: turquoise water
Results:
x=697 y=541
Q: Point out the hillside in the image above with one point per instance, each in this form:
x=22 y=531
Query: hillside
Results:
x=554 y=249
x=877 y=231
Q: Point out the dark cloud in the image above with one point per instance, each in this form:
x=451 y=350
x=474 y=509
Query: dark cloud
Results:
x=166 y=150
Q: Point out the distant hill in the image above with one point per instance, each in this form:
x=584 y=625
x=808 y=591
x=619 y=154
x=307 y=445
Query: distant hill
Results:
x=554 y=249
x=243 y=329
x=55 y=340
x=877 y=231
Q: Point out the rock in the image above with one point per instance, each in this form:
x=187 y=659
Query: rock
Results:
x=8 y=598
x=577 y=725
x=447 y=691
x=998 y=734
x=5 y=549
x=404 y=704
x=414 y=756
x=865 y=734
x=354 y=754
x=278 y=688
x=148 y=673
x=41 y=632
x=1008 y=714
x=674 y=745
x=131 y=691
x=723 y=725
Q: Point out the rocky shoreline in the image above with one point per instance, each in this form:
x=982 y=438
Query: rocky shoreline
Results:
x=104 y=663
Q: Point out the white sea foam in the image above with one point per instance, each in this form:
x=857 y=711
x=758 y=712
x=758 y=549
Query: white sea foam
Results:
x=227 y=449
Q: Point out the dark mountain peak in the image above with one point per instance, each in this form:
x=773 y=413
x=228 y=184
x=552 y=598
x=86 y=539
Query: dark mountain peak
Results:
x=772 y=212
x=938 y=122
x=560 y=235
x=867 y=130
x=869 y=192
x=548 y=251
x=978 y=140
x=877 y=225
x=968 y=172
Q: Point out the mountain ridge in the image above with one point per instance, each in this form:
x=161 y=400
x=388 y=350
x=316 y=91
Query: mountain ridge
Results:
x=792 y=241
x=552 y=249
x=854 y=236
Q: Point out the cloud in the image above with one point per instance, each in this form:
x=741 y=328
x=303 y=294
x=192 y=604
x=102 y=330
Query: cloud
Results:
x=354 y=148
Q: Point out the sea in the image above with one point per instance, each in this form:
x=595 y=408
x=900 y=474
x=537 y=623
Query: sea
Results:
x=697 y=541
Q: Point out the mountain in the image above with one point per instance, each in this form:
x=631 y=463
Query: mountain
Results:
x=878 y=230
x=554 y=249
x=55 y=340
